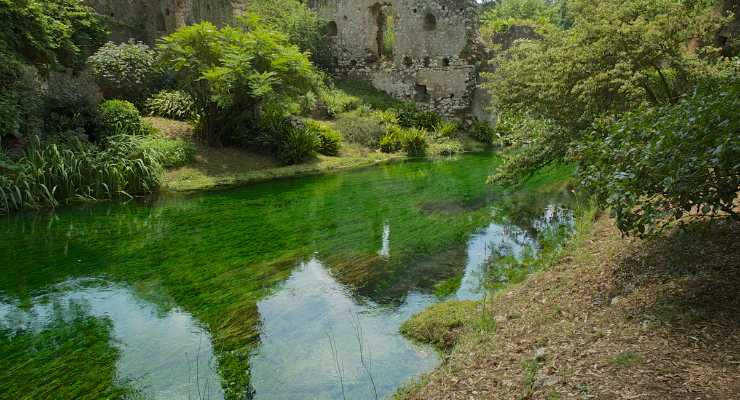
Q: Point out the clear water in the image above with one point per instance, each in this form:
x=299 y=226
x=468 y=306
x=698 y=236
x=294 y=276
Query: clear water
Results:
x=292 y=289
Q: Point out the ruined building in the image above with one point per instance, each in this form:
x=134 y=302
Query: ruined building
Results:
x=418 y=50
x=426 y=51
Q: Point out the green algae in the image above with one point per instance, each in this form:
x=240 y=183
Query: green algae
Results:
x=383 y=232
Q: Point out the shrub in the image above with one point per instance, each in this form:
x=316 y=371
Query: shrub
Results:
x=391 y=142
x=50 y=33
x=172 y=104
x=410 y=117
x=124 y=71
x=656 y=165
x=482 y=132
x=445 y=129
x=338 y=101
x=330 y=140
x=71 y=104
x=48 y=174
x=414 y=142
x=365 y=130
x=170 y=153
x=120 y=117
x=233 y=73
x=446 y=147
x=297 y=145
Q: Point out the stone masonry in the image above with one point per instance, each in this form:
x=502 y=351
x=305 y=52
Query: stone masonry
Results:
x=432 y=59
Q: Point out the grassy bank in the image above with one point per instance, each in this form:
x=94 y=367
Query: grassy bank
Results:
x=608 y=318
x=208 y=167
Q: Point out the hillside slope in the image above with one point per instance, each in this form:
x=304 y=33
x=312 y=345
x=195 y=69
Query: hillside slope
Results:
x=615 y=318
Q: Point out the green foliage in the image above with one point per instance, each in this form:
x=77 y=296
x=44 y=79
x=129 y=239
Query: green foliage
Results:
x=172 y=104
x=70 y=104
x=170 y=152
x=50 y=33
x=415 y=142
x=124 y=71
x=363 y=129
x=298 y=144
x=617 y=56
x=507 y=13
x=391 y=141
x=300 y=24
x=445 y=129
x=483 y=132
x=232 y=74
x=338 y=101
x=446 y=147
x=410 y=117
x=656 y=165
x=36 y=363
x=330 y=139
x=368 y=94
x=606 y=63
x=48 y=174
x=120 y=117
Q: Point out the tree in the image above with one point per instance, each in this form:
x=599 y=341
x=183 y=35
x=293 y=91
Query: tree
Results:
x=235 y=73
x=616 y=57
x=682 y=160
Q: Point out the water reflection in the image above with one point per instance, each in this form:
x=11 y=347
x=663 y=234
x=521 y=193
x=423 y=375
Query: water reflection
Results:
x=167 y=355
x=315 y=333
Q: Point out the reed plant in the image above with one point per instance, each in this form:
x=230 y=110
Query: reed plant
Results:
x=48 y=174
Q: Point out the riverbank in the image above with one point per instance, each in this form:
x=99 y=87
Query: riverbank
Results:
x=217 y=167
x=612 y=318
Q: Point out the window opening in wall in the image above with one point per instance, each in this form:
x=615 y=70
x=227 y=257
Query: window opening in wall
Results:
x=331 y=28
x=430 y=22
x=446 y=62
x=407 y=61
x=421 y=94
x=385 y=36
x=161 y=24
x=427 y=61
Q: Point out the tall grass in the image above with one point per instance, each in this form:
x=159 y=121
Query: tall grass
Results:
x=50 y=174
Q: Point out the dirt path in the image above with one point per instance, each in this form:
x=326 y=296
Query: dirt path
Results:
x=614 y=319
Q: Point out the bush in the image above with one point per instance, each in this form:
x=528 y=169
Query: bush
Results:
x=330 y=140
x=71 y=104
x=414 y=142
x=233 y=74
x=483 y=132
x=297 y=145
x=338 y=101
x=656 y=165
x=391 y=142
x=172 y=104
x=120 y=117
x=445 y=129
x=365 y=130
x=446 y=147
x=124 y=71
x=49 y=174
x=170 y=153
x=410 y=117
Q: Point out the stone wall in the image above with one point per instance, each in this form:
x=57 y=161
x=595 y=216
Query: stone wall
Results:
x=148 y=20
x=434 y=54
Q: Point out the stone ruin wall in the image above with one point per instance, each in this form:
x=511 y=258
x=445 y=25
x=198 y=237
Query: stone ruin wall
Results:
x=148 y=20
x=434 y=57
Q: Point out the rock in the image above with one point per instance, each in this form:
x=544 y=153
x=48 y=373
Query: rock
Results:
x=615 y=300
x=540 y=354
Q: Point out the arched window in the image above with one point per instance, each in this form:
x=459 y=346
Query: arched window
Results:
x=430 y=22
x=331 y=28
